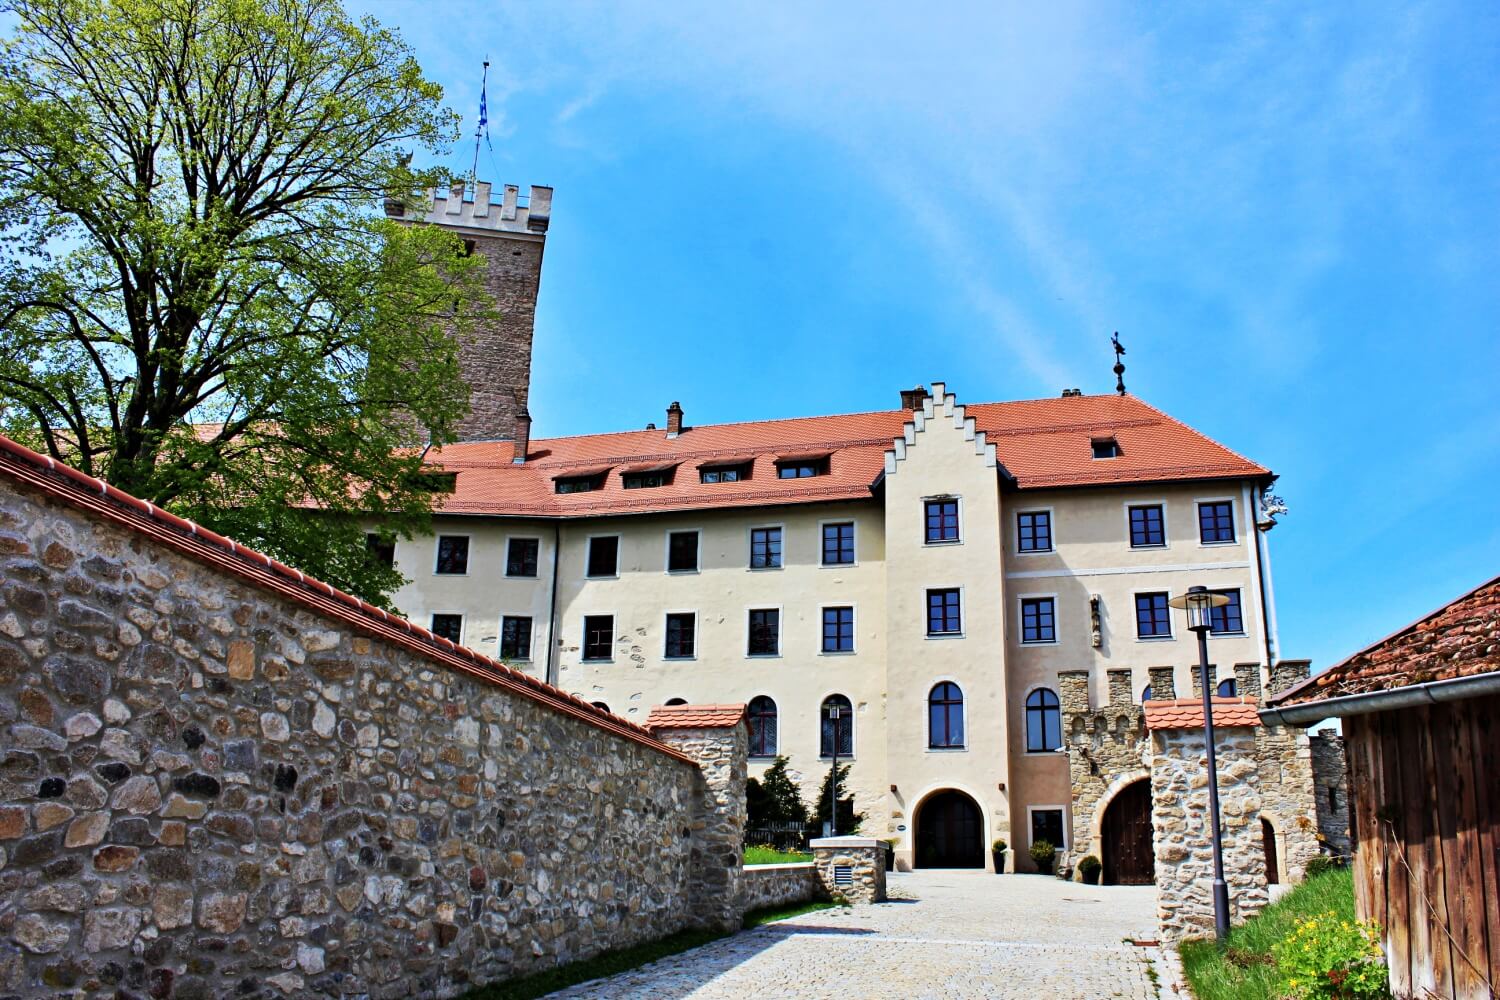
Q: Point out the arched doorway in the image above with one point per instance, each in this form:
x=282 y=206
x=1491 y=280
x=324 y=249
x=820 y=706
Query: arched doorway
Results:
x=950 y=832
x=1129 y=855
x=1268 y=843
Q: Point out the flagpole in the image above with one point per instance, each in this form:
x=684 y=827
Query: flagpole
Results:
x=481 y=129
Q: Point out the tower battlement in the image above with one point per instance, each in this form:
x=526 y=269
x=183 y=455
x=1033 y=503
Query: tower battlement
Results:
x=455 y=207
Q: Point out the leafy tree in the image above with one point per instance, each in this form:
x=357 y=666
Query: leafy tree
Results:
x=201 y=300
x=849 y=820
x=775 y=799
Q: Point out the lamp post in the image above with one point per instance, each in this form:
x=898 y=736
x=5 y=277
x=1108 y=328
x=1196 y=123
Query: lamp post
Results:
x=835 y=713
x=1199 y=603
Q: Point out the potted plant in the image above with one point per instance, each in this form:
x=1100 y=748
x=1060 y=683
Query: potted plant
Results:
x=890 y=853
x=1044 y=855
x=997 y=852
x=1089 y=868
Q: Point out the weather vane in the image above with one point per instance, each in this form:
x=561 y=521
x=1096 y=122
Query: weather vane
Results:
x=1119 y=365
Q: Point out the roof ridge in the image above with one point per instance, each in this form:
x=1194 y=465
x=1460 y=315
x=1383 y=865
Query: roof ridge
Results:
x=195 y=541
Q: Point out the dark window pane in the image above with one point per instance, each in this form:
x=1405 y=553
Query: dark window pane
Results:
x=838 y=731
x=382 y=552
x=450 y=627
x=942 y=521
x=838 y=630
x=1047 y=824
x=1043 y=721
x=762 y=727
x=838 y=544
x=521 y=556
x=1228 y=618
x=725 y=474
x=1228 y=688
x=1105 y=448
x=943 y=616
x=765 y=548
x=1035 y=531
x=1146 y=526
x=453 y=554
x=598 y=637
x=682 y=631
x=802 y=470
x=945 y=716
x=682 y=551
x=1216 y=521
x=584 y=484
x=765 y=632
x=646 y=480
x=604 y=555
x=515 y=638
x=1038 y=622
x=1153 y=617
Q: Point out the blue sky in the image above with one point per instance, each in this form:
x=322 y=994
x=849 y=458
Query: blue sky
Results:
x=1291 y=215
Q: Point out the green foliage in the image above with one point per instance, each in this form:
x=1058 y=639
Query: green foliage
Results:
x=849 y=820
x=765 y=854
x=999 y=845
x=1089 y=863
x=1246 y=969
x=1331 y=958
x=771 y=915
x=777 y=799
x=201 y=298
x=1043 y=852
x=1321 y=864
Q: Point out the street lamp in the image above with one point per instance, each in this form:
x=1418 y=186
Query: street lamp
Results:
x=835 y=712
x=1199 y=603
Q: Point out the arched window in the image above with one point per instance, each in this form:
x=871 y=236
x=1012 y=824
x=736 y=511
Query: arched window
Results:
x=945 y=716
x=840 y=729
x=762 y=727
x=1146 y=694
x=601 y=706
x=1043 y=721
x=676 y=701
x=1229 y=688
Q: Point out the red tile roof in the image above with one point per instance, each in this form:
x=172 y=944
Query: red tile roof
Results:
x=99 y=499
x=1187 y=713
x=1039 y=443
x=1460 y=639
x=695 y=717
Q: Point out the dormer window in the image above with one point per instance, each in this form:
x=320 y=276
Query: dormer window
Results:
x=430 y=481
x=1105 y=447
x=801 y=466
x=647 y=477
x=724 y=473
x=580 y=481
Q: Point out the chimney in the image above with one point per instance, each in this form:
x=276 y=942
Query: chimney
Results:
x=911 y=399
x=674 y=419
x=523 y=436
x=1070 y=393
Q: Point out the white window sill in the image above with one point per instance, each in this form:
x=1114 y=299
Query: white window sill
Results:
x=763 y=569
x=1147 y=548
x=939 y=543
x=947 y=749
x=1035 y=552
x=838 y=652
x=607 y=576
x=945 y=635
x=762 y=656
x=847 y=565
x=842 y=758
x=1228 y=635
x=1045 y=753
x=1039 y=642
x=1218 y=545
x=678 y=659
x=522 y=576
x=1155 y=638
x=586 y=660
x=438 y=572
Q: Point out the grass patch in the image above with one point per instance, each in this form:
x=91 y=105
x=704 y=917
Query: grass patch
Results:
x=624 y=959
x=772 y=914
x=764 y=854
x=1245 y=970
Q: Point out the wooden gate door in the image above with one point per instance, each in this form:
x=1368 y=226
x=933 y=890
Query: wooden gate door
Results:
x=1268 y=841
x=1129 y=856
x=949 y=832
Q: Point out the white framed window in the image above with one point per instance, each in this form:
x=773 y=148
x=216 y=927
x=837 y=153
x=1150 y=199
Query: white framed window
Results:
x=1047 y=822
x=947 y=717
x=838 y=629
x=1038 y=619
x=1218 y=521
x=523 y=555
x=451 y=556
x=1035 y=529
x=1043 y=720
x=763 y=632
x=766 y=546
x=838 y=542
x=682 y=550
x=1153 y=615
x=1146 y=524
x=602 y=557
x=945 y=612
x=942 y=520
x=680 y=636
x=836 y=731
x=448 y=625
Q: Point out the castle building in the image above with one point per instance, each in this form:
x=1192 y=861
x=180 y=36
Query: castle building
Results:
x=980 y=590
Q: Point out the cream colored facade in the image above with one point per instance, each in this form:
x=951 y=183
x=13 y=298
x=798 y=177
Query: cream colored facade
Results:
x=895 y=663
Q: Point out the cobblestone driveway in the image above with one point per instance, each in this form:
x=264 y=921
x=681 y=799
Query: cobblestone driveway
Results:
x=945 y=935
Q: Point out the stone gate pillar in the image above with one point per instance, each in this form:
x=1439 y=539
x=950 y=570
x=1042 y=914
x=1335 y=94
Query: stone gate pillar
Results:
x=1179 y=815
x=716 y=737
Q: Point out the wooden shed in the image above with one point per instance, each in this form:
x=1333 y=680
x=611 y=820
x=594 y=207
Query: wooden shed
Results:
x=1421 y=716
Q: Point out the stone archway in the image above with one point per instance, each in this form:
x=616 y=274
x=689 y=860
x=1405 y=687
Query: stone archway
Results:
x=1126 y=835
x=950 y=831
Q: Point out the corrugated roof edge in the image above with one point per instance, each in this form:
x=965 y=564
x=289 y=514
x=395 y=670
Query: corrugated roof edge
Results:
x=1322 y=680
x=86 y=493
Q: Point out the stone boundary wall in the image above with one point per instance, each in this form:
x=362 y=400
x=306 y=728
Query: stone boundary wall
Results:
x=1184 y=855
x=762 y=886
x=1331 y=781
x=209 y=788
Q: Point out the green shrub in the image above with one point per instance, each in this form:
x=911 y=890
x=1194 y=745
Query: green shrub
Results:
x=1043 y=852
x=1330 y=958
x=1322 y=863
x=1089 y=864
x=999 y=845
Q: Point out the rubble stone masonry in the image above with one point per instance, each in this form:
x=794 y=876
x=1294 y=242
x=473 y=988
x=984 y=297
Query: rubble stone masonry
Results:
x=209 y=789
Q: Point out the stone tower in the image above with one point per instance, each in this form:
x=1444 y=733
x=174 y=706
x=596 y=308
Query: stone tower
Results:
x=496 y=360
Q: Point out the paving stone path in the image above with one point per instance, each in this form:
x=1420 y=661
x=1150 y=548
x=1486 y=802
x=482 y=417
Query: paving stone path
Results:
x=945 y=934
